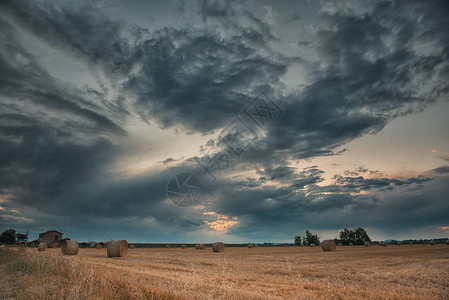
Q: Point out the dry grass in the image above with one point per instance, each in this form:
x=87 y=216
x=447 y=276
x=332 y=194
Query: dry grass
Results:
x=29 y=274
x=408 y=272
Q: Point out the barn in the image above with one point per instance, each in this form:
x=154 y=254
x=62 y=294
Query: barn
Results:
x=50 y=236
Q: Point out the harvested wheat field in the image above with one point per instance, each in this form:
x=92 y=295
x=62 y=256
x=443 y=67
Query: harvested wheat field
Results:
x=408 y=272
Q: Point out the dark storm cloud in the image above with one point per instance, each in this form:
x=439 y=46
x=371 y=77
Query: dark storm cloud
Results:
x=373 y=69
x=79 y=29
x=54 y=137
x=215 y=9
x=194 y=78
x=441 y=170
x=199 y=79
x=345 y=201
x=362 y=183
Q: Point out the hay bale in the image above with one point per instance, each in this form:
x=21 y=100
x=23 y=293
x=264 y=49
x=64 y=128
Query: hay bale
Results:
x=312 y=245
x=70 y=247
x=41 y=247
x=257 y=246
x=132 y=247
x=340 y=244
x=117 y=248
x=328 y=245
x=99 y=246
x=432 y=242
x=184 y=246
x=384 y=244
x=251 y=246
x=168 y=246
x=367 y=244
x=202 y=247
x=218 y=247
x=351 y=244
x=197 y=246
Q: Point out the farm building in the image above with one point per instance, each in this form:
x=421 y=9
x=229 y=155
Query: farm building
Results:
x=50 y=236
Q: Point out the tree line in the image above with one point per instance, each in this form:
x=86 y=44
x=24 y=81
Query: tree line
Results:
x=10 y=237
x=359 y=236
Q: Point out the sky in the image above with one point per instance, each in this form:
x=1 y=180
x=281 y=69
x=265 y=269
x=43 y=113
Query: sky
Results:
x=238 y=121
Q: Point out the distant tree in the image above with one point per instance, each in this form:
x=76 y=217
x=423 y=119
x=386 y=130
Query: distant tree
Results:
x=22 y=237
x=356 y=237
x=8 y=237
x=361 y=236
x=312 y=238
x=298 y=240
x=344 y=237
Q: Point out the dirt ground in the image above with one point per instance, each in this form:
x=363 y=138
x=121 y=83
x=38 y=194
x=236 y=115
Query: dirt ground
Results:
x=393 y=272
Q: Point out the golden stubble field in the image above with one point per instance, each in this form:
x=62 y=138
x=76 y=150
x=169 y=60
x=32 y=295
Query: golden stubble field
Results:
x=393 y=272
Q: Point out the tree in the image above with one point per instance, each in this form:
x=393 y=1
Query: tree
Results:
x=8 y=237
x=358 y=237
x=298 y=240
x=361 y=236
x=22 y=237
x=344 y=237
x=312 y=238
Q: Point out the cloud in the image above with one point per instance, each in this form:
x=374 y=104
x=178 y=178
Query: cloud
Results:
x=390 y=204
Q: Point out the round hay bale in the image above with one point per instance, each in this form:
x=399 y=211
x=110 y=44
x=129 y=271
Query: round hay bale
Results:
x=312 y=245
x=197 y=246
x=99 y=246
x=168 y=246
x=70 y=247
x=218 y=247
x=202 y=247
x=257 y=246
x=251 y=246
x=117 y=248
x=41 y=247
x=184 y=246
x=132 y=247
x=432 y=242
x=367 y=244
x=328 y=245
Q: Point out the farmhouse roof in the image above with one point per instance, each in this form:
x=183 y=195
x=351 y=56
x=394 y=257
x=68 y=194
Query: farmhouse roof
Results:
x=50 y=231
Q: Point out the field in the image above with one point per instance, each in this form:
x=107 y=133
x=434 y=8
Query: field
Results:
x=393 y=272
